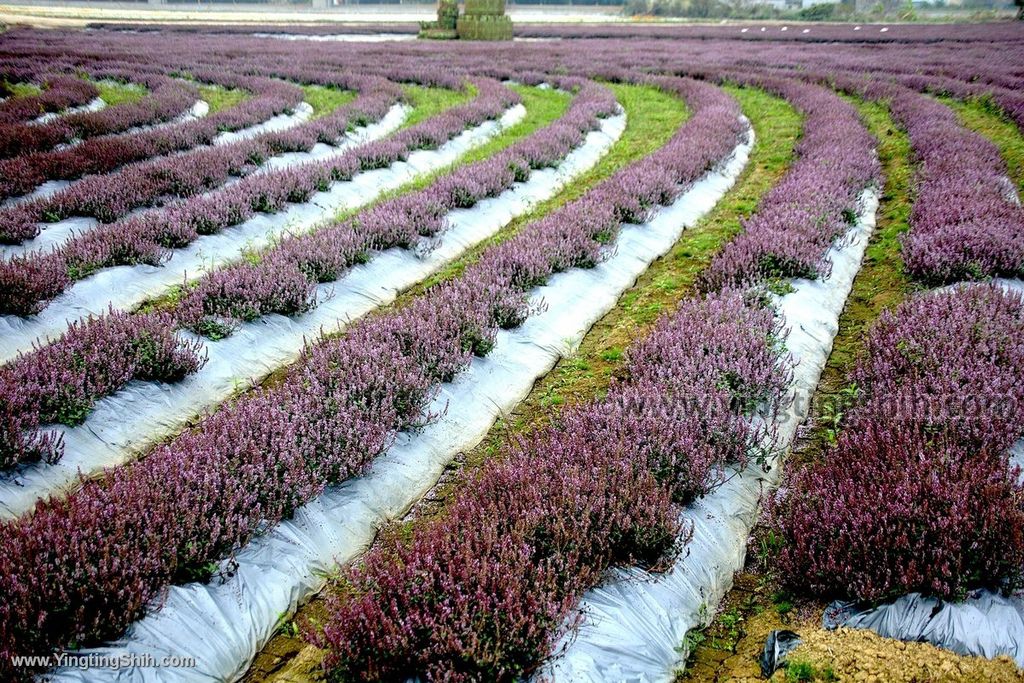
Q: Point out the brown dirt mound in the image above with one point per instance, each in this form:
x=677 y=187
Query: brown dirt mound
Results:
x=858 y=655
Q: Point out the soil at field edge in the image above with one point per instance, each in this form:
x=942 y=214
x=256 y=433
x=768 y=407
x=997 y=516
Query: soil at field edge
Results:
x=729 y=649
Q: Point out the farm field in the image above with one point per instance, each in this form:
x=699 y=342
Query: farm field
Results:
x=622 y=353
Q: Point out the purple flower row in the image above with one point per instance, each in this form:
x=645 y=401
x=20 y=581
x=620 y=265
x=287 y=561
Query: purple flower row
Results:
x=110 y=197
x=27 y=282
x=965 y=224
x=59 y=93
x=918 y=493
x=22 y=174
x=101 y=376
x=167 y=99
x=257 y=459
x=485 y=592
x=816 y=201
x=60 y=382
x=284 y=280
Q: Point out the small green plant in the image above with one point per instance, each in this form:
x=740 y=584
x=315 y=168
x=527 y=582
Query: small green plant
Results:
x=286 y=626
x=802 y=671
x=730 y=625
x=780 y=287
x=694 y=639
x=289 y=629
x=833 y=410
x=196 y=573
x=552 y=398
x=783 y=605
x=799 y=672
x=612 y=355
x=214 y=330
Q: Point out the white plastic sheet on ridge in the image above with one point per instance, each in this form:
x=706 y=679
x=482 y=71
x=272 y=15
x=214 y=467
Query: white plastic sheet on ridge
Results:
x=126 y=286
x=224 y=624
x=144 y=413
x=94 y=104
x=45 y=189
x=302 y=112
x=55 y=234
x=985 y=624
x=198 y=110
x=635 y=623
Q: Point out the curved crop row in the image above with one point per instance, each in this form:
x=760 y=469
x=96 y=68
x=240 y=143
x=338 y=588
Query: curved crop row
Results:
x=813 y=205
x=256 y=460
x=484 y=593
x=97 y=376
x=59 y=93
x=665 y=435
x=965 y=223
x=110 y=197
x=29 y=281
x=167 y=99
x=284 y=279
x=918 y=493
x=61 y=381
x=103 y=154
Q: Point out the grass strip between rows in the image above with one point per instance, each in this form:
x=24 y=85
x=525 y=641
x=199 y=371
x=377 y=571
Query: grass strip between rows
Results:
x=22 y=89
x=881 y=284
x=587 y=374
x=985 y=118
x=115 y=92
x=652 y=118
x=429 y=101
x=325 y=99
x=220 y=98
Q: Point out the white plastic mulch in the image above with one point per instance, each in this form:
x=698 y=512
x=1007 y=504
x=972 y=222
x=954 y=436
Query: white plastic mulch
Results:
x=635 y=624
x=225 y=623
x=143 y=413
x=124 y=287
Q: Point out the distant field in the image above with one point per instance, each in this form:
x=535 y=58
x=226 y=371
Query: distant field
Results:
x=45 y=14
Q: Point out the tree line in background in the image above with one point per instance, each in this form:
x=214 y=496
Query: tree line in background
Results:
x=825 y=11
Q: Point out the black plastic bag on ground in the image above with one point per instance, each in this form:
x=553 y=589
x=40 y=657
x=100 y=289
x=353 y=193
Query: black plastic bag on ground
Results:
x=779 y=644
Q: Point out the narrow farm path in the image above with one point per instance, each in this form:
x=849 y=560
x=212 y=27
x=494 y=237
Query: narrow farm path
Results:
x=325 y=99
x=115 y=92
x=880 y=285
x=220 y=98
